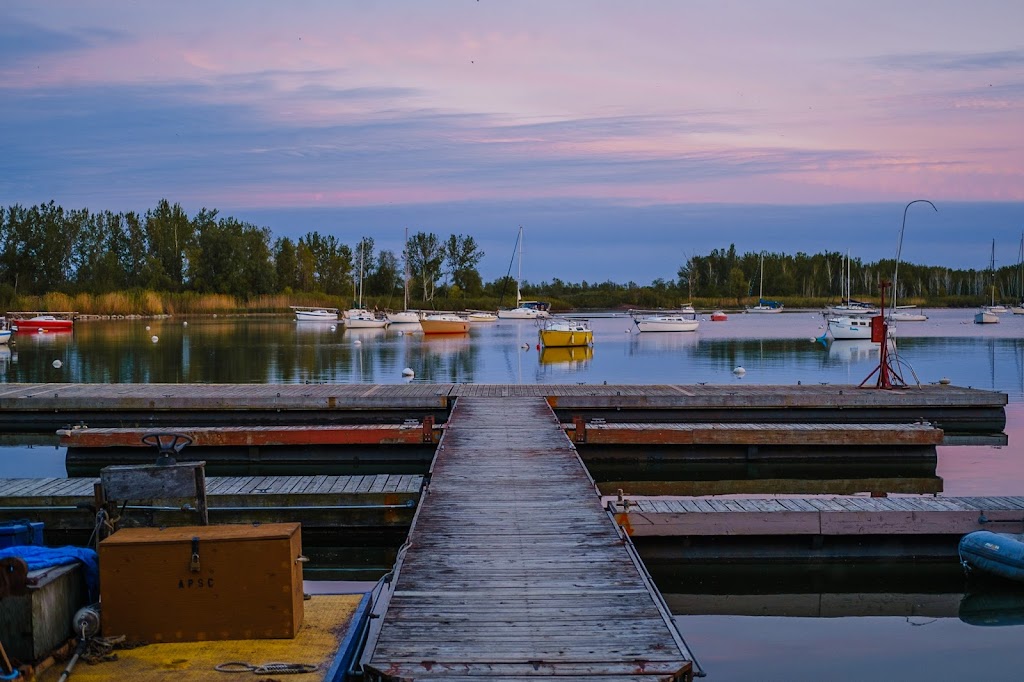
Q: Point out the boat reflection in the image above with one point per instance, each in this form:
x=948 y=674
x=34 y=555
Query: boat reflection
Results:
x=576 y=355
x=854 y=350
x=993 y=608
x=364 y=334
x=652 y=343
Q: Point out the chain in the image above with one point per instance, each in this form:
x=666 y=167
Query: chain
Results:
x=266 y=668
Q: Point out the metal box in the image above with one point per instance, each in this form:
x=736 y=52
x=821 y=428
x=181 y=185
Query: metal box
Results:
x=199 y=583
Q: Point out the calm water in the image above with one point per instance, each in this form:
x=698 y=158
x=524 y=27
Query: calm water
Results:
x=773 y=349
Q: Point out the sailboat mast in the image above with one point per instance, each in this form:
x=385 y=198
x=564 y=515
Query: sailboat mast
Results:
x=405 y=257
x=519 y=276
x=760 y=289
x=361 y=252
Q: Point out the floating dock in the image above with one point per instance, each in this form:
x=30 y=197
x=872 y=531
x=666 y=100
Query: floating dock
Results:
x=513 y=569
x=48 y=407
x=318 y=502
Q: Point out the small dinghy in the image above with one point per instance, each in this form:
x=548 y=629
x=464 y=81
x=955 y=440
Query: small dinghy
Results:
x=999 y=554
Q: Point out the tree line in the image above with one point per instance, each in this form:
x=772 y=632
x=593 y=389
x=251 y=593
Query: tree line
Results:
x=46 y=249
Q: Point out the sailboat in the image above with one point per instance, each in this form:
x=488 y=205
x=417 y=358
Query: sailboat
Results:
x=764 y=306
x=850 y=307
x=1019 y=308
x=359 y=317
x=524 y=310
x=406 y=316
x=989 y=314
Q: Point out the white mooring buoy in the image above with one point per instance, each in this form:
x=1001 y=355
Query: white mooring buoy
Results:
x=739 y=371
x=154 y=338
x=407 y=372
x=57 y=364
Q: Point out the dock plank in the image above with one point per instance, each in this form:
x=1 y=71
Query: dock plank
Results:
x=488 y=556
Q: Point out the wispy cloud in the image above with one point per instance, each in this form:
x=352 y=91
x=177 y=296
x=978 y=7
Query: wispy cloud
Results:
x=952 y=61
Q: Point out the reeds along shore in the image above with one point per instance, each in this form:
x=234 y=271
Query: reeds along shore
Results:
x=153 y=303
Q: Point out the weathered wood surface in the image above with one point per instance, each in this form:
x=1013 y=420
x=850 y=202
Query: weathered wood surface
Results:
x=260 y=436
x=780 y=403
x=907 y=485
x=315 y=501
x=513 y=569
x=821 y=516
x=753 y=434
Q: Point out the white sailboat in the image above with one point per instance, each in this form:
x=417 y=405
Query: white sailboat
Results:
x=849 y=307
x=359 y=317
x=406 y=316
x=764 y=306
x=989 y=314
x=524 y=310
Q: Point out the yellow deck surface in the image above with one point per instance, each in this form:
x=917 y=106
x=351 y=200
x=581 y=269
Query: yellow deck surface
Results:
x=325 y=623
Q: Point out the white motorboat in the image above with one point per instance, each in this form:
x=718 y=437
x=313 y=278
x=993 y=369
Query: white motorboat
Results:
x=665 y=321
x=481 y=316
x=902 y=314
x=310 y=314
x=849 y=328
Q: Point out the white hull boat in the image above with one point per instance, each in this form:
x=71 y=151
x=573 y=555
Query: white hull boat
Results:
x=849 y=328
x=666 y=323
x=303 y=314
x=404 y=317
x=984 y=316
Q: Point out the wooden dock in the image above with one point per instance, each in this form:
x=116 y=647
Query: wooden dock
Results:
x=48 y=407
x=819 y=516
x=513 y=570
x=316 y=501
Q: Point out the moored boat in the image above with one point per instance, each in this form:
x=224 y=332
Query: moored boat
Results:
x=669 y=321
x=444 y=323
x=43 y=322
x=1000 y=554
x=985 y=316
x=404 y=317
x=482 y=316
x=848 y=328
x=563 y=333
x=719 y=316
x=359 y=318
x=311 y=314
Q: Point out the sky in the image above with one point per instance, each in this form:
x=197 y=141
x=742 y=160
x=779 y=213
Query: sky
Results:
x=624 y=137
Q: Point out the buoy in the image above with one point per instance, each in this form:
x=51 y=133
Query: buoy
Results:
x=739 y=371
x=407 y=372
x=525 y=346
x=401 y=333
x=147 y=327
x=357 y=342
x=185 y=323
x=57 y=364
x=334 y=327
x=154 y=338
x=944 y=381
x=538 y=346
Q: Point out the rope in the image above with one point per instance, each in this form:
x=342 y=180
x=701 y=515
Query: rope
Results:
x=101 y=649
x=266 y=668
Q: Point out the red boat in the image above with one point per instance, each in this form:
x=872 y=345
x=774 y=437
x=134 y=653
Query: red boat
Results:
x=719 y=316
x=43 y=323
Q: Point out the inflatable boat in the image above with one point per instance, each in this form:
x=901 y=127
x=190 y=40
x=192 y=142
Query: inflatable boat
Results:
x=996 y=553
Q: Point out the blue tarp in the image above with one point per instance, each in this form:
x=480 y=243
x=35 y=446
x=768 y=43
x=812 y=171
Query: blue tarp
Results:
x=47 y=557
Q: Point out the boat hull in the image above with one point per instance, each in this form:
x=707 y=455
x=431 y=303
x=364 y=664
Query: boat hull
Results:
x=666 y=325
x=521 y=314
x=763 y=309
x=5 y=336
x=444 y=326
x=849 y=328
x=986 y=317
x=560 y=338
x=405 y=317
x=303 y=317
x=42 y=325
x=995 y=553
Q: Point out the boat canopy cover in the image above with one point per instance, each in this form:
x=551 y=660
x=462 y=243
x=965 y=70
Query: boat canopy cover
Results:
x=770 y=304
x=37 y=558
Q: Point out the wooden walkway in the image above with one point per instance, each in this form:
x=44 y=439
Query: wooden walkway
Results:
x=315 y=501
x=752 y=434
x=852 y=515
x=514 y=571
x=27 y=407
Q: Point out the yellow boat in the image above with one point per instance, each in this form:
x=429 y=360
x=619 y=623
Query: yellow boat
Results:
x=562 y=333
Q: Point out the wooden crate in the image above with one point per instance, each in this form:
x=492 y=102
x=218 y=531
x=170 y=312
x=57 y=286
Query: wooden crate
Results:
x=245 y=584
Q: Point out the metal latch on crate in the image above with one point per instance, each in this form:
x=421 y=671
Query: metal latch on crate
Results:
x=194 y=564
